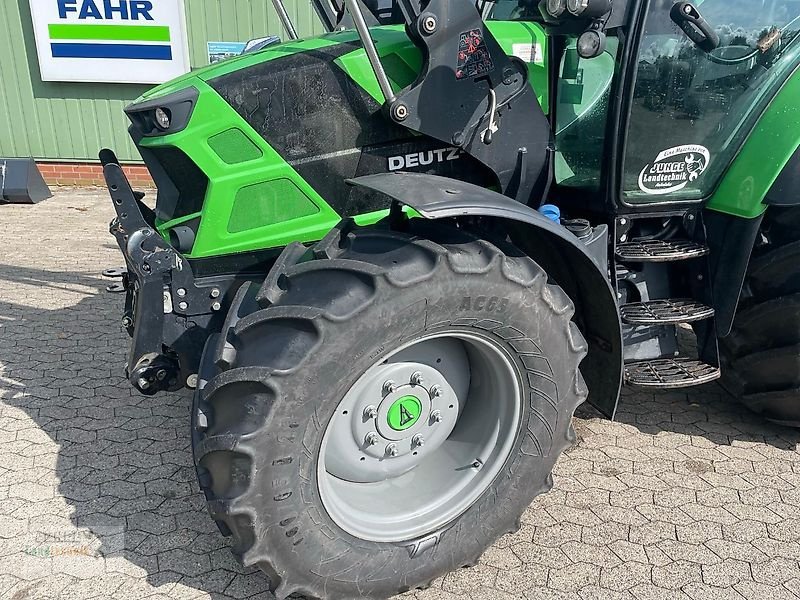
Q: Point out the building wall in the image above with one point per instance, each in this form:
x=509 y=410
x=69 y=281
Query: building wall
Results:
x=65 y=122
x=89 y=174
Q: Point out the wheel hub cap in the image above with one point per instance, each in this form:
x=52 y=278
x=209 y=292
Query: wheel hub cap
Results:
x=404 y=413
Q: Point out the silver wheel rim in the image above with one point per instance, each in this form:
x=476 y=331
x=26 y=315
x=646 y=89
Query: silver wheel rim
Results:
x=419 y=437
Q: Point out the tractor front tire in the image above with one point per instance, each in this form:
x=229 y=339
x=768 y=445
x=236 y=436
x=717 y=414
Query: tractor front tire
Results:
x=435 y=334
x=761 y=356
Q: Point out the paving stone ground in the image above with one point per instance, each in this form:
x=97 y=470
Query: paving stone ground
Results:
x=686 y=496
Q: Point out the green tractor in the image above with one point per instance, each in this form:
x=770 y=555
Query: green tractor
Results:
x=392 y=260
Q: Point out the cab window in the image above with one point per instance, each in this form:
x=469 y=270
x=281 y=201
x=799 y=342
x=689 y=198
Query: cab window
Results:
x=692 y=110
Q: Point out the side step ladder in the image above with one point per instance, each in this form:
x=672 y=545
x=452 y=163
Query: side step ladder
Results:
x=668 y=373
x=675 y=372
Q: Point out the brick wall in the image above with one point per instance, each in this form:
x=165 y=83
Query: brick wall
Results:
x=86 y=174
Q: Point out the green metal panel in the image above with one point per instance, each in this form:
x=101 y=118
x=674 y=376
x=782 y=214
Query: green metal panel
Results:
x=770 y=146
x=212 y=116
x=72 y=121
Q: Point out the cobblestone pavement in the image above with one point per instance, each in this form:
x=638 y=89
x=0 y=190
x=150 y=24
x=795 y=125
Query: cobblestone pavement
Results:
x=686 y=496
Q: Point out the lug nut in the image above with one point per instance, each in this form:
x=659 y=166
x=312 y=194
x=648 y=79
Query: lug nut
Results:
x=370 y=412
x=389 y=386
x=391 y=450
x=371 y=438
x=436 y=416
x=436 y=391
x=418 y=441
x=416 y=378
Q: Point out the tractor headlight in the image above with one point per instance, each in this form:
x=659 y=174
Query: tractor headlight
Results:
x=591 y=44
x=556 y=8
x=577 y=7
x=163 y=118
x=589 y=9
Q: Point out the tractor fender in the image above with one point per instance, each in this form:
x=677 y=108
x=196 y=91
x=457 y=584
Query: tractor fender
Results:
x=564 y=257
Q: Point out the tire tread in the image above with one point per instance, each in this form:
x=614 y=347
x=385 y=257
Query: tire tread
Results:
x=761 y=356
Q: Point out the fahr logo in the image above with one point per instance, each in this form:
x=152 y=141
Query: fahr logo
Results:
x=111 y=41
x=674 y=169
x=124 y=10
x=422 y=159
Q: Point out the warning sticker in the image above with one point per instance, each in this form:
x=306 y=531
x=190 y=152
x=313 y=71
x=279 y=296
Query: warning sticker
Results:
x=674 y=169
x=473 y=55
x=530 y=53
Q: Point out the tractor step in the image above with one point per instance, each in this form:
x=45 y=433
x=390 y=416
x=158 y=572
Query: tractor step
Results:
x=660 y=250
x=665 y=312
x=668 y=373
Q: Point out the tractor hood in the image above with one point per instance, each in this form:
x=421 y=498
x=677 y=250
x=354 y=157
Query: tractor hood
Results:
x=255 y=150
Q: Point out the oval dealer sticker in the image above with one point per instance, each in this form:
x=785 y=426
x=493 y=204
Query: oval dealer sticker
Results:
x=674 y=169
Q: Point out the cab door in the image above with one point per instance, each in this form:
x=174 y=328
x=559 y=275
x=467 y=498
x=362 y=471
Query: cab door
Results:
x=690 y=110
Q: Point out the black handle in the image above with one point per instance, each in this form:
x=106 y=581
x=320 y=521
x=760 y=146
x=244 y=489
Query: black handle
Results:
x=689 y=19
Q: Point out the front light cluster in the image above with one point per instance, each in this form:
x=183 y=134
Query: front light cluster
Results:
x=591 y=42
x=579 y=8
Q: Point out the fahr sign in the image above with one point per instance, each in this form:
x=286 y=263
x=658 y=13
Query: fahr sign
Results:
x=110 y=41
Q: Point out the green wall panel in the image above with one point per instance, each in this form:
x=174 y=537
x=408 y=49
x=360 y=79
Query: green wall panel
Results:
x=72 y=121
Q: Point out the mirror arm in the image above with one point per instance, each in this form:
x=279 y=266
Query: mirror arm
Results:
x=285 y=20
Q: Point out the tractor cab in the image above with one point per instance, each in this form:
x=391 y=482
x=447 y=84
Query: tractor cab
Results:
x=651 y=131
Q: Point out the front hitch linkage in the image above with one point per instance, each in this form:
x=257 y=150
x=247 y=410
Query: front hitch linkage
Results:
x=152 y=266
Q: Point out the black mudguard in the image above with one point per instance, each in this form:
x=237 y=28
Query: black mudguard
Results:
x=784 y=191
x=555 y=249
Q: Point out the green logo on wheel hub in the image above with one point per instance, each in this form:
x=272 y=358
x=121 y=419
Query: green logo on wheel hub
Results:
x=404 y=413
